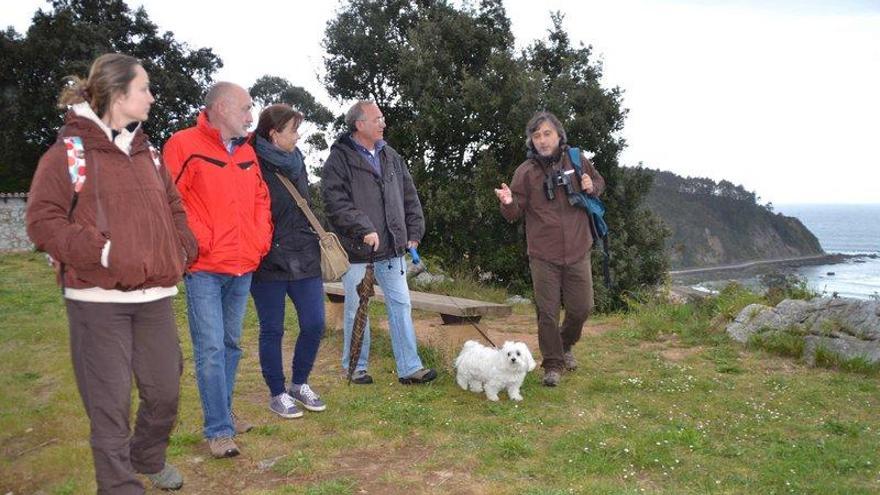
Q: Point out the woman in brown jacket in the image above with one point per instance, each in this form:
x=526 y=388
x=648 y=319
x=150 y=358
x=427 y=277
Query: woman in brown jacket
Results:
x=105 y=210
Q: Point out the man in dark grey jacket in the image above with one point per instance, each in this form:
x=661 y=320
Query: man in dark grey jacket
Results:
x=373 y=207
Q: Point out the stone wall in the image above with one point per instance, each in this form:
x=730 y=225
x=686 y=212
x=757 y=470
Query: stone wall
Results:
x=13 y=236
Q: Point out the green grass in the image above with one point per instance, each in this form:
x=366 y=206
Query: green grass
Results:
x=664 y=404
x=858 y=364
x=783 y=343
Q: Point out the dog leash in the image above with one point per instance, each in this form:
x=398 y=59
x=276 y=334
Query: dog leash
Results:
x=417 y=261
x=473 y=323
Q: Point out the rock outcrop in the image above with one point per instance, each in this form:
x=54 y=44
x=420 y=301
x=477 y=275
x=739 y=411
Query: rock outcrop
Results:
x=849 y=328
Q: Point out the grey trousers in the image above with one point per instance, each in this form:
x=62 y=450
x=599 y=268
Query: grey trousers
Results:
x=555 y=285
x=109 y=342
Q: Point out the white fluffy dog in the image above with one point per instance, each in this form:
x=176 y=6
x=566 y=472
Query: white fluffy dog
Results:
x=485 y=369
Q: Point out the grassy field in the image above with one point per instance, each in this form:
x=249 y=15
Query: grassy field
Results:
x=662 y=403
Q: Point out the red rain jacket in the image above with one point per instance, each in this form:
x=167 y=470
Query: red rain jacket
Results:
x=226 y=200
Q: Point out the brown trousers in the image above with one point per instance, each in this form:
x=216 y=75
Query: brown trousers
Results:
x=109 y=342
x=570 y=286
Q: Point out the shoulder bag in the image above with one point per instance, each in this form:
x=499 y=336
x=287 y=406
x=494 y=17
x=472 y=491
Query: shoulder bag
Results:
x=334 y=259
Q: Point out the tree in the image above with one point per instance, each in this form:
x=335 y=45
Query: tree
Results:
x=457 y=98
x=64 y=41
x=273 y=89
x=594 y=116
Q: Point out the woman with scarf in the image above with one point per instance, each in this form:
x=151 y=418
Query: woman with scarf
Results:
x=292 y=268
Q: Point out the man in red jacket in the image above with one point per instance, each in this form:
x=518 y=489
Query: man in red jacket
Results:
x=227 y=208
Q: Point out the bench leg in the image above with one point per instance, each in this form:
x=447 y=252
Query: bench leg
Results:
x=335 y=311
x=458 y=320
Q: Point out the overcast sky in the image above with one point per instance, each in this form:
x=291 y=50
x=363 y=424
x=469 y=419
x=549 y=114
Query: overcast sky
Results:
x=779 y=96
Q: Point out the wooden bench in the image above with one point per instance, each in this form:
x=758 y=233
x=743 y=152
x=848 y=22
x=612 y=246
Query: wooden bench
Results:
x=453 y=310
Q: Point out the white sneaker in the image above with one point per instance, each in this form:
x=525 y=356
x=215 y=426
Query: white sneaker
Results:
x=284 y=406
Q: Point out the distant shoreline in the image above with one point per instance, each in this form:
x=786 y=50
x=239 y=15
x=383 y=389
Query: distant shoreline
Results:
x=757 y=267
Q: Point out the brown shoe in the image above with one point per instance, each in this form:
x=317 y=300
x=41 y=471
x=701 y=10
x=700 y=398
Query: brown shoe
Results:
x=571 y=363
x=241 y=425
x=223 y=447
x=552 y=378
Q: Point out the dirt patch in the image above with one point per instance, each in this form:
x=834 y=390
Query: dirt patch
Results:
x=677 y=354
x=399 y=470
x=448 y=339
x=669 y=348
x=776 y=364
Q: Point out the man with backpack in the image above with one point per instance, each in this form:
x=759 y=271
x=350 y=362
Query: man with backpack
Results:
x=548 y=192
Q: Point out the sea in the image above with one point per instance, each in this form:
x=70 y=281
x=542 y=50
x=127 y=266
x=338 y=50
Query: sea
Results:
x=846 y=229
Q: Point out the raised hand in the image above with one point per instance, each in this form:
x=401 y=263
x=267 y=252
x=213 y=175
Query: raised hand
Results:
x=504 y=194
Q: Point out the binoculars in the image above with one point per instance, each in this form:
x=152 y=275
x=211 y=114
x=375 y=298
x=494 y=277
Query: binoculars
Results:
x=558 y=178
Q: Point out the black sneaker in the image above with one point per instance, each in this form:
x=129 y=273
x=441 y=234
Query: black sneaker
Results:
x=361 y=377
x=424 y=375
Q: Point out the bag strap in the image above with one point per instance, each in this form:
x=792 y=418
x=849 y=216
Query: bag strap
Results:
x=575 y=155
x=301 y=202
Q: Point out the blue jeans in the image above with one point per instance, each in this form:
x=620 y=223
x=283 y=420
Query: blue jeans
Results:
x=215 y=305
x=308 y=298
x=397 y=304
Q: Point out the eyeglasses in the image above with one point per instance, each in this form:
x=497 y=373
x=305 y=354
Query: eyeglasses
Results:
x=377 y=120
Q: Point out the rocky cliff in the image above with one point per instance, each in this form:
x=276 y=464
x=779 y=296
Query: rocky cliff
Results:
x=720 y=223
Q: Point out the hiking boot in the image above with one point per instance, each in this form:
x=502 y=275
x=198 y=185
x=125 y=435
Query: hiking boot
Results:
x=168 y=478
x=284 y=406
x=571 y=363
x=223 y=447
x=552 y=378
x=307 y=397
x=361 y=377
x=241 y=426
x=424 y=375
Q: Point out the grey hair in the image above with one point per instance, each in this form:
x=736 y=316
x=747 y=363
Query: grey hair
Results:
x=356 y=113
x=536 y=121
x=219 y=91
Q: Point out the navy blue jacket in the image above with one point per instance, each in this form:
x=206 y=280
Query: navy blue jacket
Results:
x=294 y=253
